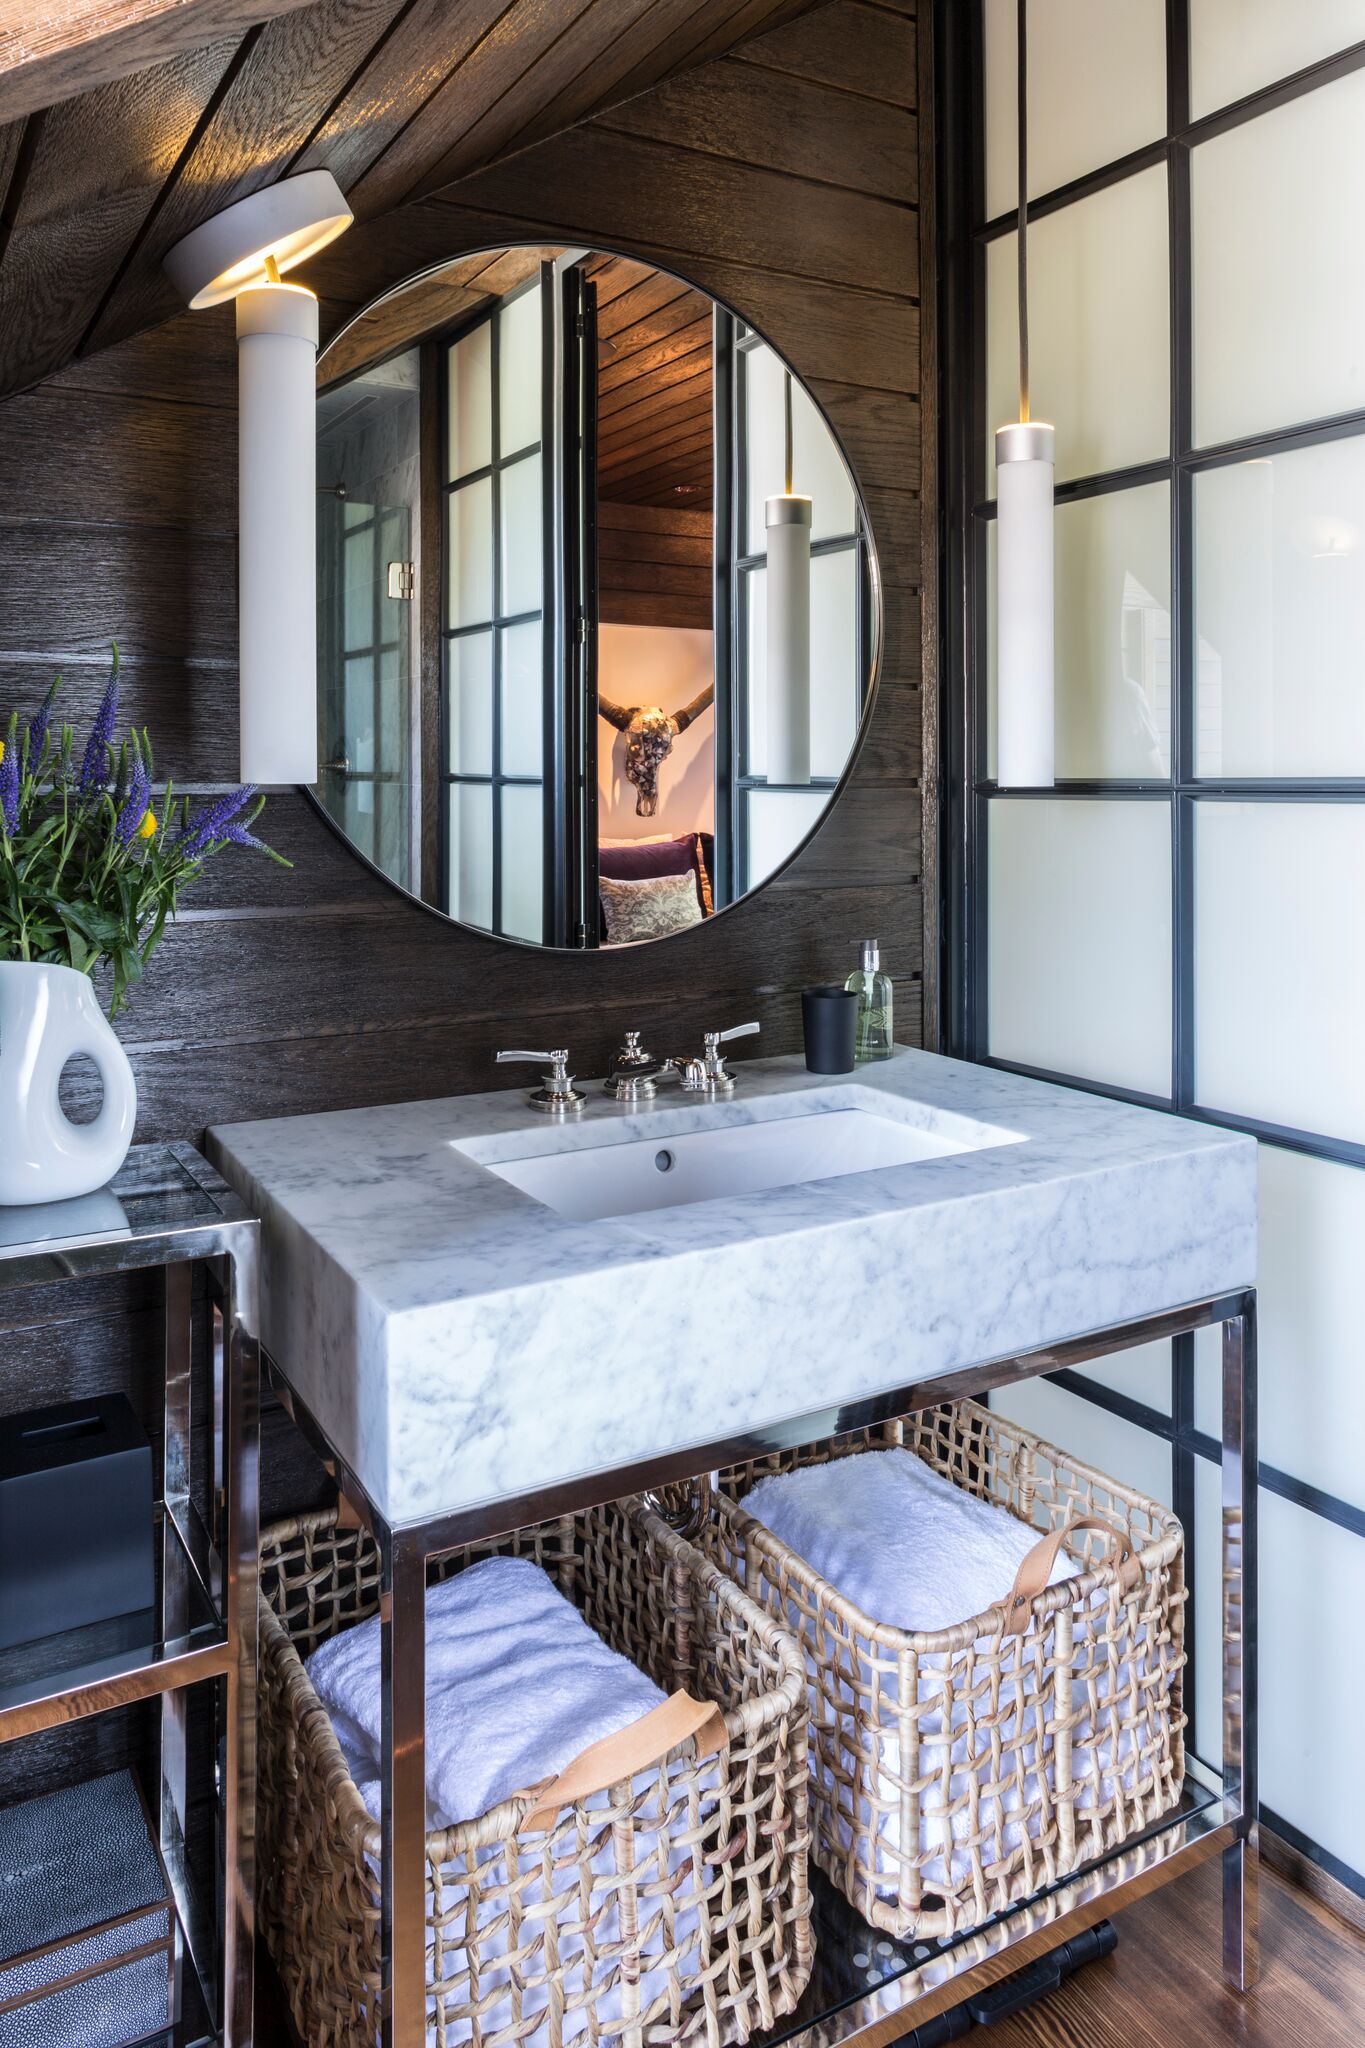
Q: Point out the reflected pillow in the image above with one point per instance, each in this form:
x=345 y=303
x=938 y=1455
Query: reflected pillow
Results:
x=649 y=908
x=639 y=859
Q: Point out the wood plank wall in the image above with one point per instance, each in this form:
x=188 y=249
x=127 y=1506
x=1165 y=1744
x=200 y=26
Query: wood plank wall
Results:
x=654 y=566
x=784 y=179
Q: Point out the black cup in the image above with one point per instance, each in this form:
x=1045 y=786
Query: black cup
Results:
x=829 y=1021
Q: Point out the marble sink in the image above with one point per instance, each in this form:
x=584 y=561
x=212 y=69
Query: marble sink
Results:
x=461 y=1338
x=814 y=1136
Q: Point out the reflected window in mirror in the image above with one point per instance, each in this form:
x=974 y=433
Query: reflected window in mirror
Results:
x=546 y=693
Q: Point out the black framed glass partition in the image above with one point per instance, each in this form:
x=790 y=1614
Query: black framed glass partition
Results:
x=1180 y=920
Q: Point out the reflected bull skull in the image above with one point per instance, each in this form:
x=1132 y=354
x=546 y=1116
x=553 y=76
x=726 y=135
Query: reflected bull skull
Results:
x=650 y=733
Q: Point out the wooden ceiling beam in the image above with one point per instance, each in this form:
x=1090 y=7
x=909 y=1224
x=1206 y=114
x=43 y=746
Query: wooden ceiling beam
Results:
x=50 y=53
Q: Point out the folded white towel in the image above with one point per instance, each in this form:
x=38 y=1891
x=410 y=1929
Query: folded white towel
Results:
x=916 y=1552
x=900 y=1541
x=517 y=1685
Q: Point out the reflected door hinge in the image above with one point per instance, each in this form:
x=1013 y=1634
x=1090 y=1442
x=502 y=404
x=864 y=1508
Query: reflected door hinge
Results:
x=579 y=327
x=403 y=580
x=580 y=630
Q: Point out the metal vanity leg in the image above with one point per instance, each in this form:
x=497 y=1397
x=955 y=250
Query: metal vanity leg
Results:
x=238 y=1360
x=1240 y=1935
x=175 y=1599
x=403 y=1917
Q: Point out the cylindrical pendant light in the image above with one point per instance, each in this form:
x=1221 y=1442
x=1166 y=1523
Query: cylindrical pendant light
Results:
x=240 y=254
x=1025 y=469
x=277 y=646
x=787 y=520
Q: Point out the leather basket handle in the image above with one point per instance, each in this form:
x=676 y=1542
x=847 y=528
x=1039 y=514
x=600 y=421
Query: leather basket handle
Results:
x=619 y=1757
x=1036 y=1570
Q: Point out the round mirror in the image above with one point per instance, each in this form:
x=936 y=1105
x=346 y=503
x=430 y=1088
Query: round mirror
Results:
x=598 y=609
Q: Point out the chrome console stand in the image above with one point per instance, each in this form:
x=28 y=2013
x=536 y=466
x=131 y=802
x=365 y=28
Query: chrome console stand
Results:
x=168 y=1208
x=865 y=1990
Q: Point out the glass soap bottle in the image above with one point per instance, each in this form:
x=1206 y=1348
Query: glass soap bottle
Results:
x=873 y=990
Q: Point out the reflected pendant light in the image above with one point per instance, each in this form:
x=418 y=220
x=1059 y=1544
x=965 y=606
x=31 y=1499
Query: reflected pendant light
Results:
x=788 y=522
x=240 y=255
x=1024 y=465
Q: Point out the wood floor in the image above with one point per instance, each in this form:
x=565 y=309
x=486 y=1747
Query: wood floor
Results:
x=1164 y=1987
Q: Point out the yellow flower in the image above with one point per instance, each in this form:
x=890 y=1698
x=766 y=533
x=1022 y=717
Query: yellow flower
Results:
x=147 y=829
x=2 y=750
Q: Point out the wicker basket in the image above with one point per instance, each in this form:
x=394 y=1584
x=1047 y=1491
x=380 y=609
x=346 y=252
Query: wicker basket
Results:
x=925 y=1836
x=673 y=1908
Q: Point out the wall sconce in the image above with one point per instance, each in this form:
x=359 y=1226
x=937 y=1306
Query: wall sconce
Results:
x=1025 y=453
x=787 y=519
x=240 y=254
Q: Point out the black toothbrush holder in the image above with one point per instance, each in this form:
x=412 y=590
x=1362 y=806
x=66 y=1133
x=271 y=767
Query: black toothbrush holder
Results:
x=829 y=1024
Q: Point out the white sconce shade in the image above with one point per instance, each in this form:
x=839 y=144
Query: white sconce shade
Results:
x=282 y=225
x=277 y=346
x=240 y=254
x=1025 y=462
x=788 y=521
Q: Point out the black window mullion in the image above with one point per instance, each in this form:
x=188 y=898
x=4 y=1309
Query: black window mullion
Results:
x=495 y=606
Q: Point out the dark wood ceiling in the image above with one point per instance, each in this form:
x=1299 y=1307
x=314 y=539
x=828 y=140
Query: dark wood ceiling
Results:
x=654 y=354
x=398 y=98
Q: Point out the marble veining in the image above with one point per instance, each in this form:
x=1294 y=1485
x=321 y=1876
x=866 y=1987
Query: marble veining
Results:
x=461 y=1342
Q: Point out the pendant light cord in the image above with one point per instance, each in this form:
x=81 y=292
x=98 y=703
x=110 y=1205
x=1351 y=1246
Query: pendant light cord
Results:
x=787 y=433
x=1022 y=236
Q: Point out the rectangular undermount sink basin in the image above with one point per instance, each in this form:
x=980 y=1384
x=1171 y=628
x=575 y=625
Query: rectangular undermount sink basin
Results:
x=590 y=1178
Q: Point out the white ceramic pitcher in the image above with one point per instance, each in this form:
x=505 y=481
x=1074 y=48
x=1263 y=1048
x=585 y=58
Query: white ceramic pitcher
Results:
x=47 y=1016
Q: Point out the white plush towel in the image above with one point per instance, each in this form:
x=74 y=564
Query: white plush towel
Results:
x=896 y=1538
x=517 y=1685
x=916 y=1552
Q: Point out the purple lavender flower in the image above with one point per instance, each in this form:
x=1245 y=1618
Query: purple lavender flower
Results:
x=213 y=822
x=9 y=779
x=134 y=805
x=237 y=835
x=38 y=725
x=95 y=766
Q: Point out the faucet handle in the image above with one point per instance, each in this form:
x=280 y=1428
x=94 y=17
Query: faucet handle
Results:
x=558 y=1096
x=709 y=1075
x=711 y=1039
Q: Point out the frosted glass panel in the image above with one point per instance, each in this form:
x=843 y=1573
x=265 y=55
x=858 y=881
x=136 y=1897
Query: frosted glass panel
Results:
x=1280 y=598
x=471 y=853
x=1096 y=89
x=1099 y=349
x=818 y=472
x=835 y=689
x=522 y=564
x=1279 y=266
x=1079 y=942
x=835 y=693
x=777 y=825
x=1312 y=1585
x=523 y=700
x=469 y=693
x=1113 y=635
x=469 y=554
x=1237 y=46
x=523 y=862
x=469 y=403
x=1117 y=1448
x=1143 y=1374
x=1312 y=1390
x=519 y=398
x=1279 y=964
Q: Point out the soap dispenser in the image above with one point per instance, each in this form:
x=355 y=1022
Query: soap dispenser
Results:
x=873 y=990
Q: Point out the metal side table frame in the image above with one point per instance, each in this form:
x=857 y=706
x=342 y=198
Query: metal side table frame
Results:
x=872 y=2013
x=178 y=1213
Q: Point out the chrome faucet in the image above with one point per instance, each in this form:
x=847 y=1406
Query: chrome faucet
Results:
x=634 y=1075
x=556 y=1095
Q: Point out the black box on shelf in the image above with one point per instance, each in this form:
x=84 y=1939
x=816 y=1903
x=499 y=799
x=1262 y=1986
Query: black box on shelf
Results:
x=76 y=1518
x=87 y=1928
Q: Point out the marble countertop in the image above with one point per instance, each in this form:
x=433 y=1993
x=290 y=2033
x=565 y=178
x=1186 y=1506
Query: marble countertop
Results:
x=459 y=1342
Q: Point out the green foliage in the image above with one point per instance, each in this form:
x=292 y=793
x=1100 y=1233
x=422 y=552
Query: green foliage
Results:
x=92 y=865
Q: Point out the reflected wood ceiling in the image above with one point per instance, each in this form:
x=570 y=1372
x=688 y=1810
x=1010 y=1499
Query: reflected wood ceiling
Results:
x=654 y=352
x=398 y=98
